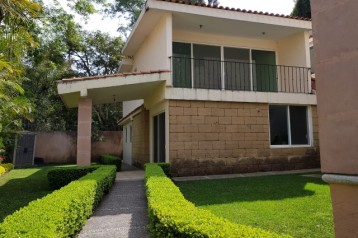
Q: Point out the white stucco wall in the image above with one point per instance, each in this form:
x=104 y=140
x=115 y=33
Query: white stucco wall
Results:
x=129 y=106
x=221 y=40
x=155 y=51
x=294 y=50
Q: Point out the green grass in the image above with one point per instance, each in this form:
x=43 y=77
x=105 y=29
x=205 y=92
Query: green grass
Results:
x=21 y=186
x=288 y=204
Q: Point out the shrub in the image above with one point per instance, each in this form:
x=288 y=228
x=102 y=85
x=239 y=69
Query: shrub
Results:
x=171 y=215
x=166 y=168
x=63 y=212
x=60 y=177
x=4 y=168
x=112 y=160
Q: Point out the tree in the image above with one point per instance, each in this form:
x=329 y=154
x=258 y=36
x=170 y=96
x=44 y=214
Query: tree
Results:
x=302 y=9
x=67 y=51
x=16 y=20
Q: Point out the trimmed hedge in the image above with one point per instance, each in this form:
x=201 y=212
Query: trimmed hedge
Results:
x=63 y=212
x=112 y=160
x=166 y=168
x=4 y=168
x=60 y=177
x=171 y=215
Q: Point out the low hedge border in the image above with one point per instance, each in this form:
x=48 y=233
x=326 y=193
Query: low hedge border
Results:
x=112 y=160
x=4 y=168
x=171 y=215
x=63 y=212
x=60 y=177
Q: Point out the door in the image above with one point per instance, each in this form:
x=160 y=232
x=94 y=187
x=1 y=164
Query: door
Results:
x=127 y=144
x=25 y=150
x=159 y=138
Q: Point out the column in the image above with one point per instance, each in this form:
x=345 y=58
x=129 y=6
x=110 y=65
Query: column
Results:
x=84 y=132
x=336 y=57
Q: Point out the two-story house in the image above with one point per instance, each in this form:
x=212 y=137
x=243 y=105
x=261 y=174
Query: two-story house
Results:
x=209 y=90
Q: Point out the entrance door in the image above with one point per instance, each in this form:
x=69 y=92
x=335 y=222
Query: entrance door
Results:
x=159 y=138
x=127 y=144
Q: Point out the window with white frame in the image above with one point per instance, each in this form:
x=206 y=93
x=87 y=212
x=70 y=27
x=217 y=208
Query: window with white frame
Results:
x=289 y=125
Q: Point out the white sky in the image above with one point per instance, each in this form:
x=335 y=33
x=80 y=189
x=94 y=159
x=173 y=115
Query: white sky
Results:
x=97 y=22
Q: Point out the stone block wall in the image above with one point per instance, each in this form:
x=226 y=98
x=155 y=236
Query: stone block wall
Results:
x=140 y=139
x=227 y=137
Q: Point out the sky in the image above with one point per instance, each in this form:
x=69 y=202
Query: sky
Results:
x=97 y=22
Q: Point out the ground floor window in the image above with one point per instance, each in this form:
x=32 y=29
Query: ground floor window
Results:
x=289 y=125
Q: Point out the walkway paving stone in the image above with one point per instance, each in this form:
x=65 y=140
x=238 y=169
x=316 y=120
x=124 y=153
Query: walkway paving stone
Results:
x=123 y=212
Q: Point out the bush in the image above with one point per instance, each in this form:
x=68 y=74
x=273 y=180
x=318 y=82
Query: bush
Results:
x=60 y=177
x=4 y=168
x=112 y=160
x=63 y=212
x=166 y=168
x=171 y=215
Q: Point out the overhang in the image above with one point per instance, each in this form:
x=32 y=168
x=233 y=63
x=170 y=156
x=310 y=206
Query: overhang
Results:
x=213 y=20
x=111 y=88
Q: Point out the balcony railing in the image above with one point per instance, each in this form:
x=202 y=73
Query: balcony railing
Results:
x=239 y=76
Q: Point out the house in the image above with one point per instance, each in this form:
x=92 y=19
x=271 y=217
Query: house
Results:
x=210 y=90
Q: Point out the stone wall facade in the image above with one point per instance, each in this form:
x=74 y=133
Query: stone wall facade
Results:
x=227 y=137
x=140 y=139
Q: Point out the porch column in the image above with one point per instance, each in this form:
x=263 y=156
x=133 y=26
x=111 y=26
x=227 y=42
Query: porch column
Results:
x=336 y=57
x=84 y=132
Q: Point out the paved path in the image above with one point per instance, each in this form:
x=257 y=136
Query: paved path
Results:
x=123 y=212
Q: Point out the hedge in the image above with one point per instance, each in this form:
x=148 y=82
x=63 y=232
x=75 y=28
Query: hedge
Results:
x=112 y=160
x=60 y=177
x=4 y=168
x=63 y=212
x=171 y=215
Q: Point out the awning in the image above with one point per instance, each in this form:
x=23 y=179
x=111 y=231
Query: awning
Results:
x=111 y=88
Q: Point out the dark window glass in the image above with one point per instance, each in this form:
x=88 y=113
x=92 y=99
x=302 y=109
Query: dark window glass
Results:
x=237 y=69
x=278 y=125
x=181 y=65
x=207 y=66
x=264 y=71
x=299 y=126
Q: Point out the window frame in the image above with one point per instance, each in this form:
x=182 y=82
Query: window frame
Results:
x=222 y=48
x=309 y=127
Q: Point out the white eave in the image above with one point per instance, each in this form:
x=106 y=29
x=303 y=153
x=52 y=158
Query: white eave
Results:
x=111 y=88
x=154 y=9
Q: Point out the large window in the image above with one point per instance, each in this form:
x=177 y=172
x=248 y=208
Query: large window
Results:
x=216 y=67
x=289 y=125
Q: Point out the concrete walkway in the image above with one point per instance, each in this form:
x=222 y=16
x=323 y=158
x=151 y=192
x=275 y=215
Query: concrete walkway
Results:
x=123 y=212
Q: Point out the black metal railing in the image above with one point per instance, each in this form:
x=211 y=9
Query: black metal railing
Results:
x=239 y=76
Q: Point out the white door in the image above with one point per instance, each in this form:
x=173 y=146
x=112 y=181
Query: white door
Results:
x=127 y=144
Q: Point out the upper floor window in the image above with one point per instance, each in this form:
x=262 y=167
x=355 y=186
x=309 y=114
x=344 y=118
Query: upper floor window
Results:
x=289 y=125
x=216 y=67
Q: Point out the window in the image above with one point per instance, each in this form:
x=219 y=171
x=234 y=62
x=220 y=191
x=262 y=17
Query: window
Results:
x=289 y=125
x=217 y=67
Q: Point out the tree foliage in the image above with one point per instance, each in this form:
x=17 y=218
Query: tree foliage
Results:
x=16 y=21
x=302 y=9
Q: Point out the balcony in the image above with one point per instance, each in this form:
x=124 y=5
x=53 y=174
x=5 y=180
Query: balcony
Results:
x=214 y=74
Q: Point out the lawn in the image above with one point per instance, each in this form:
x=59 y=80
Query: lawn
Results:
x=21 y=186
x=288 y=204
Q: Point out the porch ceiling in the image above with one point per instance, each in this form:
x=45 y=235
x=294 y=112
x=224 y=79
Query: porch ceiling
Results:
x=111 y=88
x=234 y=28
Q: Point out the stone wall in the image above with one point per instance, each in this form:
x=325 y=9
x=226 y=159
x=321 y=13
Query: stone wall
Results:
x=224 y=137
x=60 y=147
x=140 y=139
